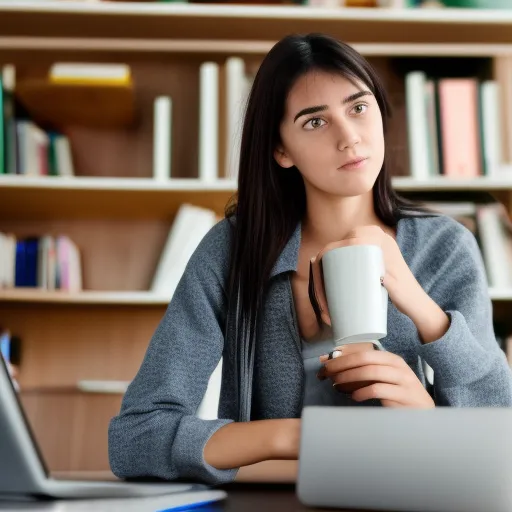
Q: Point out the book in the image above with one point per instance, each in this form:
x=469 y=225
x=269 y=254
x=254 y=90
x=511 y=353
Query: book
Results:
x=490 y=118
x=495 y=244
x=162 y=123
x=103 y=386
x=417 y=127
x=208 y=121
x=187 y=230
x=90 y=73
x=458 y=104
x=236 y=96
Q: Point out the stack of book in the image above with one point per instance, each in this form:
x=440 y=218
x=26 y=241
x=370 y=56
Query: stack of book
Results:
x=25 y=148
x=492 y=229
x=453 y=127
x=223 y=93
x=47 y=262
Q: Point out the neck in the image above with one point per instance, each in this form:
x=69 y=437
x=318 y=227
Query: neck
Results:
x=331 y=218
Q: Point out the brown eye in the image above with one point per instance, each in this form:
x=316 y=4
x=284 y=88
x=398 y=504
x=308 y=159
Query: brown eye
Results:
x=360 y=108
x=314 y=123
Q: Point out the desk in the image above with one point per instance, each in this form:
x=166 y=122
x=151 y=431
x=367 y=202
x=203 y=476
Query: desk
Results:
x=241 y=498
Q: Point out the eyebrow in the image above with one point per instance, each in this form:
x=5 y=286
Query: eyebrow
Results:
x=321 y=108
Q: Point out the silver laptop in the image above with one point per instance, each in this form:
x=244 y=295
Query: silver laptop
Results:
x=444 y=459
x=23 y=472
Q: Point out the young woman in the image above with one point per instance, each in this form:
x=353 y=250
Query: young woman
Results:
x=312 y=171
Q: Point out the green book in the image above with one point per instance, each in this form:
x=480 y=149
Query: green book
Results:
x=53 y=169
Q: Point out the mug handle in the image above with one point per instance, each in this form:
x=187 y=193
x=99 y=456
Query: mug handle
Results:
x=316 y=287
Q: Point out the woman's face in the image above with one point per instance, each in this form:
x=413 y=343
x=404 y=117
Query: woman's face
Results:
x=332 y=132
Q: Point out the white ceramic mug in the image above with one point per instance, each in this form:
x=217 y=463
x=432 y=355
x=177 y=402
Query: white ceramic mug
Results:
x=354 y=302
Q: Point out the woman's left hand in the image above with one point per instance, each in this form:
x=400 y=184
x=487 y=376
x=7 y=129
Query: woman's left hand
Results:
x=404 y=290
x=393 y=381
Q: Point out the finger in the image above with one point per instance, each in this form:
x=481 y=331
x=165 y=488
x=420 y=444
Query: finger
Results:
x=382 y=391
x=365 y=358
x=380 y=373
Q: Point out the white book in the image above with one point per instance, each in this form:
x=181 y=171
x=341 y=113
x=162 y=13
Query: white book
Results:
x=188 y=228
x=453 y=208
x=90 y=71
x=162 y=122
x=64 y=157
x=236 y=95
x=490 y=106
x=494 y=246
x=208 y=121
x=417 y=125
x=103 y=386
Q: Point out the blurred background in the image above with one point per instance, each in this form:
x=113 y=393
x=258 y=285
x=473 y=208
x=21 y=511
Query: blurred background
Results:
x=119 y=134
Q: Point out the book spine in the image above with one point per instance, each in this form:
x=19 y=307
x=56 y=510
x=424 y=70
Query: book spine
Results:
x=162 y=116
x=208 y=121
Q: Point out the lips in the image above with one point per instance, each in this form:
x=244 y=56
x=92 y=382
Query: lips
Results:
x=356 y=162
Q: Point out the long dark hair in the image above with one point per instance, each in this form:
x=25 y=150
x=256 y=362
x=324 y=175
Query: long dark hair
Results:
x=271 y=200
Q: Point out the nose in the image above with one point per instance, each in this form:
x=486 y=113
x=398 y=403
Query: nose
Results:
x=347 y=137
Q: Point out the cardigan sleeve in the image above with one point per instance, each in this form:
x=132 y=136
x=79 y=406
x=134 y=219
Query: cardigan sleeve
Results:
x=470 y=369
x=157 y=433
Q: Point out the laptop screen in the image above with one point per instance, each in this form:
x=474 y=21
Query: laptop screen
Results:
x=19 y=451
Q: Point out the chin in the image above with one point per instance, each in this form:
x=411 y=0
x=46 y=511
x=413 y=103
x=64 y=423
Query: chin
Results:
x=351 y=188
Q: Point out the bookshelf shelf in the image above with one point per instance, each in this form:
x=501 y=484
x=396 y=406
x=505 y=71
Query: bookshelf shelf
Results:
x=227 y=22
x=452 y=184
x=61 y=105
x=139 y=198
x=93 y=197
x=31 y=296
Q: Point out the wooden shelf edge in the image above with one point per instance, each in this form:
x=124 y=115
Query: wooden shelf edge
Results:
x=227 y=185
x=445 y=16
x=131 y=298
x=87 y=297
x=123 y=184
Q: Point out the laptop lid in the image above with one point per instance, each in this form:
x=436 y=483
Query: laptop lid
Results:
x=449 y=459
x=21 y=464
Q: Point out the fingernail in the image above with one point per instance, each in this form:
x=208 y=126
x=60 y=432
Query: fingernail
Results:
x=324 y=358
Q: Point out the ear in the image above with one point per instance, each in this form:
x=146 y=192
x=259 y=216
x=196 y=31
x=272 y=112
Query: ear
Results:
x=282 y=158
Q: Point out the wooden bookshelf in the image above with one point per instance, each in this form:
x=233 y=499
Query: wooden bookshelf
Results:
x=119 y=216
